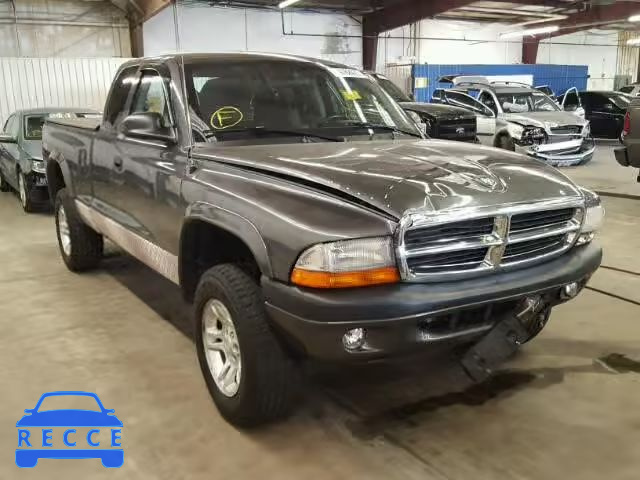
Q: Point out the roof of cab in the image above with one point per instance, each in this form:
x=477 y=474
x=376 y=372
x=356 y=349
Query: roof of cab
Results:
x=192 y=58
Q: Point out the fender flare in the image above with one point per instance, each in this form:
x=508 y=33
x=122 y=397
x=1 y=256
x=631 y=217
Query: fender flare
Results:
x=233 y=223
x=59 y=160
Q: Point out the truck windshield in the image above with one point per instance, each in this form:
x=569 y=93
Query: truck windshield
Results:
x=229 y=101
x=526 y=102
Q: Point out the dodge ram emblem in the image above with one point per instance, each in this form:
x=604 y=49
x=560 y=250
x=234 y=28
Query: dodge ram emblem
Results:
x=460 y=131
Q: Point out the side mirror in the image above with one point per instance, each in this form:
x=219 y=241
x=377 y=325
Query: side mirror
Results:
x=6 y=138
x=147 y=125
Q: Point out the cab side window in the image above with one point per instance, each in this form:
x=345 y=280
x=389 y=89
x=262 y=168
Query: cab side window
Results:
x=487 y=99
x=151 y=96
x=119 y=94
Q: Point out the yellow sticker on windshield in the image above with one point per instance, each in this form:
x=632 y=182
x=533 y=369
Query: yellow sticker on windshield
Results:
x=225 y=117
x=352 y=95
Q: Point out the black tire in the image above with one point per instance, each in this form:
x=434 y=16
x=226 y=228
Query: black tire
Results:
x=269 y=377
x=86 y=245
x=4 y=186
x=506 y=143
x=24 y=194
x=536 y=324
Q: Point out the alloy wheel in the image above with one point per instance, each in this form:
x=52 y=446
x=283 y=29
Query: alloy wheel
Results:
x=22 y=189
x=221 y=347
x=63 y=231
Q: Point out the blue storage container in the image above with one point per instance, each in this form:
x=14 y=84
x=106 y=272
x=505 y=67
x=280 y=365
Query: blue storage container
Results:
x=558 y=77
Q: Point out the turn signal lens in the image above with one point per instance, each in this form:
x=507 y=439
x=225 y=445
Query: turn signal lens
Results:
x=347 y=263
x=377 y=276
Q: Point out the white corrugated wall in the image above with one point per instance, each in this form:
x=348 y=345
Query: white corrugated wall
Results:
x=54 y=82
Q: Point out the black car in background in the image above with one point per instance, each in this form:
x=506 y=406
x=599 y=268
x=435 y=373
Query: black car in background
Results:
x=605 y=110
x=440 y=121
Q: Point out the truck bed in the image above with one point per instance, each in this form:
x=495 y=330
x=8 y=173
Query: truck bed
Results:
x=83 y=123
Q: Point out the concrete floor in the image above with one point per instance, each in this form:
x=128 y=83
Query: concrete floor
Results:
x=565 y=407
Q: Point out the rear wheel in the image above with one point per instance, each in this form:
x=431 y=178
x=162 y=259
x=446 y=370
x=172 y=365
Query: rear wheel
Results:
x=81 y=247
x=249 y=376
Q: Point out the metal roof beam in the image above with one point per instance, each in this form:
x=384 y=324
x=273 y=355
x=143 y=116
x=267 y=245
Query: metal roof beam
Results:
x=596 y=16
x=408 y=11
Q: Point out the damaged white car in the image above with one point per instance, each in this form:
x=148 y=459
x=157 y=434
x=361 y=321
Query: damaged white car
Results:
x=518 y=117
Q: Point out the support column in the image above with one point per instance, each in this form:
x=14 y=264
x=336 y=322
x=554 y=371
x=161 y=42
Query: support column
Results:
x=369 y=46
x=530 y=50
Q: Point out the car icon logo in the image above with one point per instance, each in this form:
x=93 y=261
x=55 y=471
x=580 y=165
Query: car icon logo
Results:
x=69 y=433
x=460 y=130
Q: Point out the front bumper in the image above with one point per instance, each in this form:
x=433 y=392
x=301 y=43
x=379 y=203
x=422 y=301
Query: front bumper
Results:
x=37 y=187
x=408 y=317
x=562 y=154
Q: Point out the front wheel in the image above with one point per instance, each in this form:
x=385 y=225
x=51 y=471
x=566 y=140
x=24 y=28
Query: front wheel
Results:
x=536 y=324
x=81 y=247
x=24 y=192
x=249 y=376
x=506 y=143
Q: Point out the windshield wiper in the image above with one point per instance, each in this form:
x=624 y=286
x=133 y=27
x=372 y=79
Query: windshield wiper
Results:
x=379 y=126
x=277 y=131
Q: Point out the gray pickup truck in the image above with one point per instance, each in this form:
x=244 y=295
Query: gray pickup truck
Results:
x=629 y=154
x=300 y=209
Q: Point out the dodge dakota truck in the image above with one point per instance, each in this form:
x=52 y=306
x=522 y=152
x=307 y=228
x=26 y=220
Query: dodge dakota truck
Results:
x=304 y=214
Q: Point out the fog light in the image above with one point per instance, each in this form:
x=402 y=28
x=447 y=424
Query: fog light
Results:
x=354 y=338
x=585 y=238
x=570 y=290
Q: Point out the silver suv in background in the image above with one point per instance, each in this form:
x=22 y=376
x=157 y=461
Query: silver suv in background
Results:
x=521 y=118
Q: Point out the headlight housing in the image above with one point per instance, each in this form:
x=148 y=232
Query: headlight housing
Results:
x=515 y=130
x=532 y=135
x=347 y=263
x=37 y=166
x=593 y=217
x=586 y=130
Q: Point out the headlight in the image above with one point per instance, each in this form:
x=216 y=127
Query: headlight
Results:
x=586 y=130
x=532 y=135
x=347 y=263
x=37 y=166
x=515 y=130
x=593 y=218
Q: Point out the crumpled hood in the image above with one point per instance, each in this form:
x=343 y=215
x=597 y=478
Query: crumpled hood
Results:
x=398 y=176
x=545 y=119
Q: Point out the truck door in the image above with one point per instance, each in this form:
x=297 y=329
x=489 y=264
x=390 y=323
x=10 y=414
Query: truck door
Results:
x=106 y=152
x=145 y=178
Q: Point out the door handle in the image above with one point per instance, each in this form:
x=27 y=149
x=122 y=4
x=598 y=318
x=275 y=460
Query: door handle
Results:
x=117 y=162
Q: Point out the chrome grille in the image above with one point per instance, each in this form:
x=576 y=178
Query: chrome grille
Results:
x=450 y=245
x=424 y=237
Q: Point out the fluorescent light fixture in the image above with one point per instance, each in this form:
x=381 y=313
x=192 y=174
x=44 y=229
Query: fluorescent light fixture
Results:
x=530 y=31
x=633 y=41
x=286 y=3
x=634 y=18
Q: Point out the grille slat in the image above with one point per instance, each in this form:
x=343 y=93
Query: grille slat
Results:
x=531 y=220
x=457 y=231
x=482 y=244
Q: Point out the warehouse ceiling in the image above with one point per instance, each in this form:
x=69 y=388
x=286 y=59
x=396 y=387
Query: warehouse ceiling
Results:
x=491 y=11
